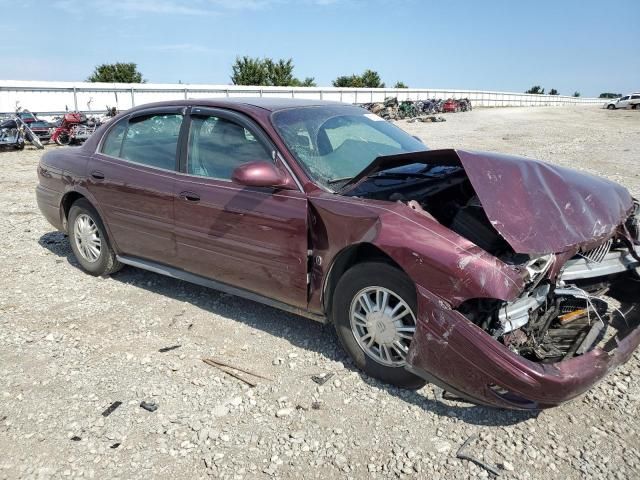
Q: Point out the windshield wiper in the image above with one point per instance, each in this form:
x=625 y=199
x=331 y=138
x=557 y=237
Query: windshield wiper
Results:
x=399 y=175
x=338 y=180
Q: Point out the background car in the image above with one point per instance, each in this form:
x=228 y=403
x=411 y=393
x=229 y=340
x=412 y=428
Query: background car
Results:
x=450 y=105
x=628 y=101
x=41 y=128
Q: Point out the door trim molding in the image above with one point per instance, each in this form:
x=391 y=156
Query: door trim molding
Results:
x=213 y=284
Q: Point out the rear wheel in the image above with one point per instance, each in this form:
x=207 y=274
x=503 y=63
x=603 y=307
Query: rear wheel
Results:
x=89 y=241
x=63 y=139
x=374 y=309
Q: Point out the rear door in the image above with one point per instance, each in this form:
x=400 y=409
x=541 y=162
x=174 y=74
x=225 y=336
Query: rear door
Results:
x=251 y=238
x=133 y=176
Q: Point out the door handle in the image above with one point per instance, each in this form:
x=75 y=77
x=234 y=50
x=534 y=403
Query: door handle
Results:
x=190 y=196
x=97 y=175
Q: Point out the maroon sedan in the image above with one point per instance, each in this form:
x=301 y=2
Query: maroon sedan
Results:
x=480 y=272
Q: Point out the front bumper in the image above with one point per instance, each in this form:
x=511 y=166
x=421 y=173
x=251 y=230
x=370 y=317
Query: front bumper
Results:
x=450 y=351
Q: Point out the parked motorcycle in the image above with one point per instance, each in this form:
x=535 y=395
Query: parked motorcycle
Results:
x=74 y=128
x=14 y=131
x=465 y=105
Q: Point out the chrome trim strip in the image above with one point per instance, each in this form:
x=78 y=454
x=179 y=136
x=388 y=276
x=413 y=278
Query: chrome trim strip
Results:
x=613 y=262
x=223 y=287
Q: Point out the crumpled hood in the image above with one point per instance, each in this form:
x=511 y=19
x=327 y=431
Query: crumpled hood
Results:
x=543 y=208
x=537 y=207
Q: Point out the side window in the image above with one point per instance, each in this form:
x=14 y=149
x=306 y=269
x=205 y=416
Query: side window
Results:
x=149 y=140
x=624 y=98
x=635 y=97
x=217 y=146
x=113 y=143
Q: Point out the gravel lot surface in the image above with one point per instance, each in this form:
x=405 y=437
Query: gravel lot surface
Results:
x=71 y=345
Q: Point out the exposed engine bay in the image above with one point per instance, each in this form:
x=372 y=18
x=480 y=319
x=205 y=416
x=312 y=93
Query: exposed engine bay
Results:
x=554 y=318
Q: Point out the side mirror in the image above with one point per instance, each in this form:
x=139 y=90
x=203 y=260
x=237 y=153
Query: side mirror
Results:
x=262 y=174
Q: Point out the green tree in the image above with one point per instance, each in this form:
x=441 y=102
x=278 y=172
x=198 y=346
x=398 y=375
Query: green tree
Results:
x=249 y=71
x=553 y=91
x=267 y=72
x=536 y=89
x=576 y=94
x=280 y=73
x=348 y=81
x=116 y=73
x=307 y=82
x=371 y=79
x=368 y=79
x=400 y=85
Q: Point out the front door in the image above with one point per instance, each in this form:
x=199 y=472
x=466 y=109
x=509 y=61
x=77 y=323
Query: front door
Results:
x=251 y=238
x=132 y=177
x=623 y=102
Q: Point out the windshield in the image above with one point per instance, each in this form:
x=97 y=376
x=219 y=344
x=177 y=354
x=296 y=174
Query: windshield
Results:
x=335 y=143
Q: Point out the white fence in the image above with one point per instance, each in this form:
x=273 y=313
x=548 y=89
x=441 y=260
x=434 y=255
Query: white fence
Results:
x=49 y=98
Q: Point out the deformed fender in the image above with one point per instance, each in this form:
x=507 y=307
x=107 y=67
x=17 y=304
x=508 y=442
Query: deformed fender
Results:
x=454 y=268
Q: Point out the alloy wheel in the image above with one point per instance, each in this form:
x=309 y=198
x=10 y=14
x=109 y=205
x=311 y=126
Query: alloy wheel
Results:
x=87 y=237
x=383 y=325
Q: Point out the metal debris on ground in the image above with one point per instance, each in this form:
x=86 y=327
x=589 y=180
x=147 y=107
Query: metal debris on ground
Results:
x=462 y=455
x=149 y=406
x=232 y=370
x=322 y=378
x=392 y=109
x=111 y=408
x=168 y=349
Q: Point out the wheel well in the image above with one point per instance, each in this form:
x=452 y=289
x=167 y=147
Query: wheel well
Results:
x=347 y=258
x=68 y=200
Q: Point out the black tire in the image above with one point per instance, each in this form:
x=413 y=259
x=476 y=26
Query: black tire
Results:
x=611 y=107
x=361 y=276
x=106 y=263
x=63 y=139
x=33 y=138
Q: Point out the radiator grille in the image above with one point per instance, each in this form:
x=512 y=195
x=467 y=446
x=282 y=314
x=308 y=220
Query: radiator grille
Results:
x=597 y=254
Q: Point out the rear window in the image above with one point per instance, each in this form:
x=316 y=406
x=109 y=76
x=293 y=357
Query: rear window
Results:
x=148 y=140
x=113 y=143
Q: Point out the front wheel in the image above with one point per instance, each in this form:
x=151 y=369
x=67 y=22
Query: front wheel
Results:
x=611 y=107
x=373 y=311
x=89 y=240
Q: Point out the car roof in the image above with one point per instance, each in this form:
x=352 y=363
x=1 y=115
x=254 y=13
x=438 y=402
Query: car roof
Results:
x=271 y=104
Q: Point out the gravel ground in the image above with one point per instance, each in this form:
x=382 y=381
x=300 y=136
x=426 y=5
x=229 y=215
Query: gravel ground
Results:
x=71 y=345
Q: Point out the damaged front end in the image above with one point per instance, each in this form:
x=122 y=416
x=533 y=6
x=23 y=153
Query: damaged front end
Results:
x=549 y=345
x=571 y=239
